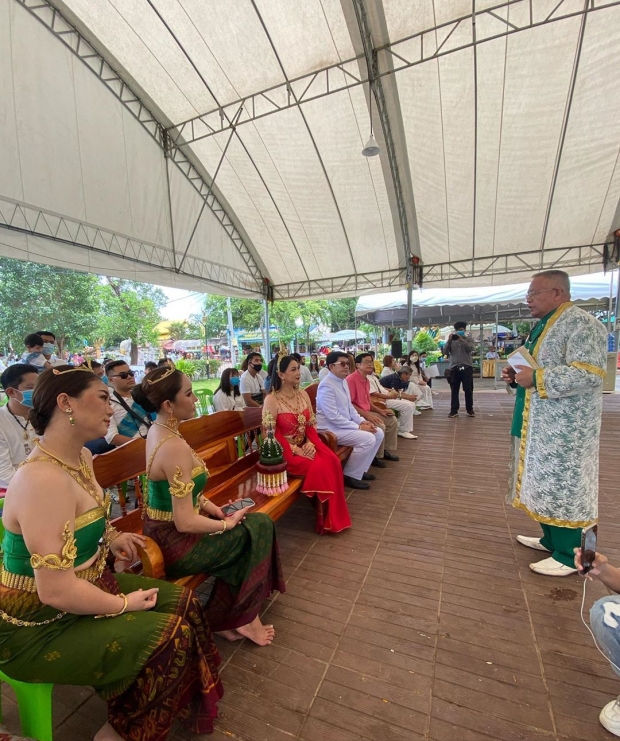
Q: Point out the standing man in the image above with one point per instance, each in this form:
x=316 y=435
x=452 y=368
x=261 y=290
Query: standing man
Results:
x=16 y=433
x=49 y=347
x=129 y=419
x=459 y=348
x=252 y=384
x=557 y=421
x=359 y=390
x=334 y=412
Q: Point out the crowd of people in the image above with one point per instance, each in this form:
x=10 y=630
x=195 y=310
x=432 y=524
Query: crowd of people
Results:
x=148 y=645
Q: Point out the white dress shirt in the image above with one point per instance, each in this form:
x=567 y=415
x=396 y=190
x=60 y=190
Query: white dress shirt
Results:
x=224 y=403
x=13 y=447
x=334 y=410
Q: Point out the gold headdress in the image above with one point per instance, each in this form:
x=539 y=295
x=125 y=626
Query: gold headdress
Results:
x=168 y=373
x=57 y=372
x=281 y=355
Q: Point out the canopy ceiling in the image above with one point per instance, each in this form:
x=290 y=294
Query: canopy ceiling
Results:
x=216 y=145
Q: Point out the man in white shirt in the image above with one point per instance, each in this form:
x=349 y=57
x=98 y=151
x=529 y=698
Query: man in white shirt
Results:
x=252 y=385
x=34 y=353
x=49 y=348
x=16 y=433
x=334 y=412
x=129 y=419
x=306 y=376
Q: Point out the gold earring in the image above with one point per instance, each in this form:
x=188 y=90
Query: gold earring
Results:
x=70 y=412
x=172 y=422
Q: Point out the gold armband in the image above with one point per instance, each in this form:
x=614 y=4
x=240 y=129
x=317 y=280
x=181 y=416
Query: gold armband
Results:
x=65 y=561
x=178 y=488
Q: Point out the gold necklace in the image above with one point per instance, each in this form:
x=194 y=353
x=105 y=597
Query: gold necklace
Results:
x=81 y=474
x=297 y=395
x=24 y=427
x=170 y=429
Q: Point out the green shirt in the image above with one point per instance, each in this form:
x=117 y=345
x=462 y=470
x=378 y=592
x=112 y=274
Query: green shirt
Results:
x=517 y=417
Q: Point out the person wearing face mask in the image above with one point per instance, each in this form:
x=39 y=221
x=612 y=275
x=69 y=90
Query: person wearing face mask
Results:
x=420 y=383
x=227 y=397
x=459 y=349
x=252 y=384
x=49 y=347
x=34 y=353
x=16 y=433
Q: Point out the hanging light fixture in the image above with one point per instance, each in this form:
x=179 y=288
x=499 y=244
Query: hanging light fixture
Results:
x=372 y=148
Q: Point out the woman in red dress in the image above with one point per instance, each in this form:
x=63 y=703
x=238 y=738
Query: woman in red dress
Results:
x=305 y=453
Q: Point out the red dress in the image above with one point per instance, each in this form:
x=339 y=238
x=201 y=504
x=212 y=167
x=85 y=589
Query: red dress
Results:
x=323 y=476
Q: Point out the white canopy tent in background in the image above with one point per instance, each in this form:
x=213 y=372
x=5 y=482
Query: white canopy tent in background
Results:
x=433 y=306
x=216 y=145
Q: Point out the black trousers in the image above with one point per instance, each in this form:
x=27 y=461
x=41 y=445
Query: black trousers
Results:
x=462 y=374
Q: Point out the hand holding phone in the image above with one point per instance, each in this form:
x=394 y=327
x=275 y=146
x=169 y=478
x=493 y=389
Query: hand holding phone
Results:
x=588 y=548
x=230 y=509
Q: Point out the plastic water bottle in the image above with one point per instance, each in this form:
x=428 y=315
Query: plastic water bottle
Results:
x=611 y=342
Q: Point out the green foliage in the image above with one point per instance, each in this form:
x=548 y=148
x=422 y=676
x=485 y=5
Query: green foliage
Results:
x=206 y=368
x=186 y=366
x=129 y=310
x=423 y=342
x=39 y=297
x=523 y=329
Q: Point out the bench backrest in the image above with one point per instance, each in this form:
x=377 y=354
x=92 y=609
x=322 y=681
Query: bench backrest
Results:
x=311 y=391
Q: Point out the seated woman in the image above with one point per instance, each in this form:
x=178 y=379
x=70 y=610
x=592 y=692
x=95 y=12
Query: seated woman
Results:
x=152 y=655
x=389 y=365
x=314 y=366
x=418 y=380
x=227 y=397
x=241 y=551
x=305 y=453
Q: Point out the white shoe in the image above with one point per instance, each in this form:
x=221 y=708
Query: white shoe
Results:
x=407 y=436
x=610 y=717
x=416 y=413
x=532 y=543
x=551 y=567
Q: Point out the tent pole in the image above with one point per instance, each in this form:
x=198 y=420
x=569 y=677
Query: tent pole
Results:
x=481 y=341
x=616 y=322
x=496 y=339
x=267 y=338
x=231 y=335
x=409 y=315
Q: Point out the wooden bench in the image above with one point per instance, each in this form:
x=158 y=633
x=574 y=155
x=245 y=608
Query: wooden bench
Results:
x=216 y=438
x=342 y=451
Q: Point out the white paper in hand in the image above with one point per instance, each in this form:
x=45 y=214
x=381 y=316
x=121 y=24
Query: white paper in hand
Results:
x=520 y=358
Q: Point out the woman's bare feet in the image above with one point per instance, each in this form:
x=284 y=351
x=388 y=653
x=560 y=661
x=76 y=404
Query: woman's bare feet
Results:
x=229 y=635
x=107 y=733
x=261 y=634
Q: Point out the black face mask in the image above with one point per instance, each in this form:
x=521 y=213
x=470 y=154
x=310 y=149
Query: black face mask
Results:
x=257 y=367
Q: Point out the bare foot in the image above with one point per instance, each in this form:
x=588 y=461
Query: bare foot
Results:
x=107 y=733
x=261 y=634
x=229 y=635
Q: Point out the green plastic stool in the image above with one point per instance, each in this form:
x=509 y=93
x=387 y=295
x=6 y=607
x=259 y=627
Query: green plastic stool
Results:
x=33 y=699
x=35 y=707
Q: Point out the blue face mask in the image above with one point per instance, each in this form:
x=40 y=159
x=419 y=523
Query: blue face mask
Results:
x=26 y=398
x=235 y=381
x=461 y=332
x=105 y=380
x=48 y=348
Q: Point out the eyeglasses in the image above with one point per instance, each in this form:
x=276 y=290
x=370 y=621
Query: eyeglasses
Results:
x=531 y=294
x=124 y=375
x=343 y=364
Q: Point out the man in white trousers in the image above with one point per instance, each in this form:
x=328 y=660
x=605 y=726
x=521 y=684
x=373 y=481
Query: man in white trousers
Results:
x=334 y=412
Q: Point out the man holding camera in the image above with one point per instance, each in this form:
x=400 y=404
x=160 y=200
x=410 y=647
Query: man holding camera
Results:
x=557 y=421
x=459 y=348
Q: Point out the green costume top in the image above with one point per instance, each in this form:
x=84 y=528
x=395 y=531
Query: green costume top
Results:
x=159 y=496
x=17 y=562
x=517 y=418
x=557 y=422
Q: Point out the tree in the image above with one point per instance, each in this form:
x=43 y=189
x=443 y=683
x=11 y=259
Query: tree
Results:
x=341 y=313
x=129 y=310
x=42 y=297
x=423 y=342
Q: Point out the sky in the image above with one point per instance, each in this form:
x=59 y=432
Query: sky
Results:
x=181 y=304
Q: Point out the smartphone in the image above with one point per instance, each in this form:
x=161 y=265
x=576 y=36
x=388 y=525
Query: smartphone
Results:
x=588 y=547
x=229 y=509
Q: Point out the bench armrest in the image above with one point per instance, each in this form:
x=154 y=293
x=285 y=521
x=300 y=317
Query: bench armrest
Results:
x=329 y=439
x=152 y=559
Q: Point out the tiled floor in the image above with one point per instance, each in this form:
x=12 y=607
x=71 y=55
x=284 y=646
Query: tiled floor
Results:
x=423 y=621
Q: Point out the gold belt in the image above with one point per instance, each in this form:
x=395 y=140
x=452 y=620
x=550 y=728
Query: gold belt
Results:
x=28 y=583
x=162 y=515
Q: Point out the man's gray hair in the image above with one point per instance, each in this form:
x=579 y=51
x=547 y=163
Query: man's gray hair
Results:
x=559 y=277
x=405 y=369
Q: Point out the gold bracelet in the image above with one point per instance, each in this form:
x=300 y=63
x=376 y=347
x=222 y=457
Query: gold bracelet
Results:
x=219 y=532
x=115 y=614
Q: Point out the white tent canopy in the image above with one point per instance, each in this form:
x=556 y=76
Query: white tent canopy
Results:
x=217 y=145
x=440 y=305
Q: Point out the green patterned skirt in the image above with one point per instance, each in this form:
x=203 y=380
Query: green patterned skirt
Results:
x=244 y=560
x=151 y=667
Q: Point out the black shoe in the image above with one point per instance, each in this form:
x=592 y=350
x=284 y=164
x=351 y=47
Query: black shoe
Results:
x=378 y=463
x=355 y=483
x=453 y=414
x=390 y=456
x=471 y=414
x=368 y=477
